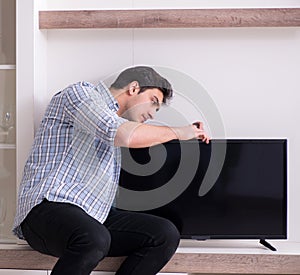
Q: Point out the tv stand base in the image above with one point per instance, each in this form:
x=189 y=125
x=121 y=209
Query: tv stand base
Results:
x=267 y=245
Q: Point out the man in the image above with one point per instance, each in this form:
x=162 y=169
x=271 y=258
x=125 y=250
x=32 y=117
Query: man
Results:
x=71 y=176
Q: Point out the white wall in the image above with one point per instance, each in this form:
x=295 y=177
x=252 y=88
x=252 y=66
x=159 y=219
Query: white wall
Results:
x=251 y=74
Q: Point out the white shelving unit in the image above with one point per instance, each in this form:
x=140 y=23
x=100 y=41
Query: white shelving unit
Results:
x=7 y=118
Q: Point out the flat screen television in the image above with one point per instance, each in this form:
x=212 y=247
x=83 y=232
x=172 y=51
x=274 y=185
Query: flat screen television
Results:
x=228 y=189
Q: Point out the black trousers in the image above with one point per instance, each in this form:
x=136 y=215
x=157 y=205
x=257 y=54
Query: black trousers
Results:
x=81 y=242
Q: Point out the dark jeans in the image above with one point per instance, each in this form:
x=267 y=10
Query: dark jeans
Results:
x=81 y=242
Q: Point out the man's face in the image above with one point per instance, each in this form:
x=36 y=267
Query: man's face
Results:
x=143 y=106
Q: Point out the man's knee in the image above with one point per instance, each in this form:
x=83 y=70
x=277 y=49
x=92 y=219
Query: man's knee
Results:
x=170 y=232
x=166 y=234
x=93 y=245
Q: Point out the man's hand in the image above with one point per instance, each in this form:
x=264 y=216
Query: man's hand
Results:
x=194 y=131
x=203 y=136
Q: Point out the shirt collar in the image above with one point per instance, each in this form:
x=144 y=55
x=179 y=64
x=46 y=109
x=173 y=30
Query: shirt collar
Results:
x=109 y=99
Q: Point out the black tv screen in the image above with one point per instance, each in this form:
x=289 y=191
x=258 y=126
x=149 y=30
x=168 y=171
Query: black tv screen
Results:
x=230 y=188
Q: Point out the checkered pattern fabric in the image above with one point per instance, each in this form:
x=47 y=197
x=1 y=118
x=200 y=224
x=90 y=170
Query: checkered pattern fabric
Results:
x=73 y=158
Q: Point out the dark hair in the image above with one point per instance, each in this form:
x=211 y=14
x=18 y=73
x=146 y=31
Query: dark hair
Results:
x=147 y=78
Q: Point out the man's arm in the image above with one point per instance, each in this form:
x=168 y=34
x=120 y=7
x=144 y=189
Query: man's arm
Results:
x=138 y=135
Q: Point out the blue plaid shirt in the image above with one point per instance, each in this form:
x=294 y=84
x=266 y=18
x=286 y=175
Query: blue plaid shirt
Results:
x=73 y=158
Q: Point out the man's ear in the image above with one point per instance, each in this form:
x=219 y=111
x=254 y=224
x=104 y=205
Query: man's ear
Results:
x=133 y=87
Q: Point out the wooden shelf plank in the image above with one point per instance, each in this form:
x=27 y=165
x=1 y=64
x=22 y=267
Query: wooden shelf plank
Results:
x=170 y=18
x=208 y=263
